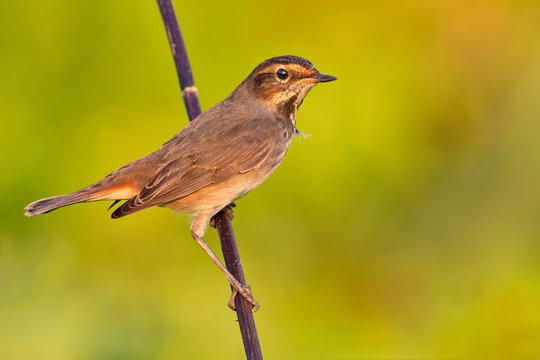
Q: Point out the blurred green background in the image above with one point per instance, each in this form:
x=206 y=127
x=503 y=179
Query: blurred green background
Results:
x=406 y=227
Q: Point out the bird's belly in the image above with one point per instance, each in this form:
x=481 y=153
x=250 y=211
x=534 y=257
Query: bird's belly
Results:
x=210 y=199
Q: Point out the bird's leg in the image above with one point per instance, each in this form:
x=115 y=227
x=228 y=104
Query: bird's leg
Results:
x=237 y=286
x=227 y=210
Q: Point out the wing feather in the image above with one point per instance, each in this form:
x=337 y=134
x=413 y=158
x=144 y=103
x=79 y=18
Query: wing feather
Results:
x=200 y=156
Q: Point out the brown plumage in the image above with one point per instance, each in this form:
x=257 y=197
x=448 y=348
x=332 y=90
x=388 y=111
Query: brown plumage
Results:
x=218 y=157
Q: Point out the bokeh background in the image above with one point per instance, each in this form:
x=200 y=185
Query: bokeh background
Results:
x=406 y=227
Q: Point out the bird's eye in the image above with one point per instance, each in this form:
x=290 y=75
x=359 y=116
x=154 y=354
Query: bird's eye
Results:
x=282 y=74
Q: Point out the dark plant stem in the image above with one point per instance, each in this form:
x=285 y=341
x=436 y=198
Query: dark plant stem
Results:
x=222 y=221
x=181 y=60
x=243 y=308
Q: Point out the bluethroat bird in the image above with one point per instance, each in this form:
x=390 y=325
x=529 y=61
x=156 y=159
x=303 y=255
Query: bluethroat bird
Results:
x=217 y=158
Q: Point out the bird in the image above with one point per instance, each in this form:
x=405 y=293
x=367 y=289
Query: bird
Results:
x=217 y=158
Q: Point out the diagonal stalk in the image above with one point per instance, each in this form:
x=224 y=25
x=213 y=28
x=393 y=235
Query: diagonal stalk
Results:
x=222 y=221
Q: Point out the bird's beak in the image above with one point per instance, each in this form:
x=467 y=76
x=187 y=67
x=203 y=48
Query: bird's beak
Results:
x=324 y=78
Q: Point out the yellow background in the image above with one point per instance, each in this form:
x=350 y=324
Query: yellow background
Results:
x=406 y=227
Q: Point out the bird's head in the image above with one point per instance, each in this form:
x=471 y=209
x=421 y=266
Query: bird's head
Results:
x=282 y=82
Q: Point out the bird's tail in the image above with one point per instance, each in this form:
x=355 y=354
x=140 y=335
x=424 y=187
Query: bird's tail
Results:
x=122 y=184
x=52 y=203
x=110 y=188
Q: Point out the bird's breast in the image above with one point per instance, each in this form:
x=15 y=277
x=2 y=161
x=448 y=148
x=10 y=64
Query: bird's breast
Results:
x=281 y=139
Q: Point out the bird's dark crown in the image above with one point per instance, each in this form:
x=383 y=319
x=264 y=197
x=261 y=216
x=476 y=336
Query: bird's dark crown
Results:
x=285 y=60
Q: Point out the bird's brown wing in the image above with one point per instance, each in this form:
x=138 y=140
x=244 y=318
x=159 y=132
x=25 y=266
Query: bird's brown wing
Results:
x=200 y=157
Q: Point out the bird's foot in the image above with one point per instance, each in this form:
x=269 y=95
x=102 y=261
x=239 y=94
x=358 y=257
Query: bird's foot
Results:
x=227 y=210
x=245 y=291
